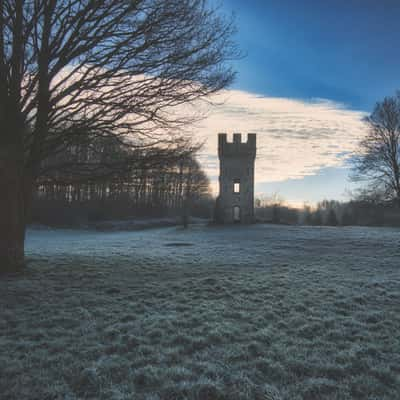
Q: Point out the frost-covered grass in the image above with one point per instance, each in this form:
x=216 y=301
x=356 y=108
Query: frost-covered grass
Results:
x=263 y=312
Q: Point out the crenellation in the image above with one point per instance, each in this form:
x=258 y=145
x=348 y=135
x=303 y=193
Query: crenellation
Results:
x=237 y=147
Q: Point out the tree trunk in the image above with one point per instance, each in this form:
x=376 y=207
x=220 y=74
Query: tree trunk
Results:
x=185 y=217
x=12 y=210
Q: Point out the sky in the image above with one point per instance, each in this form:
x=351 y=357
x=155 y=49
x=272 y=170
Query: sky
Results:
x=311 y=71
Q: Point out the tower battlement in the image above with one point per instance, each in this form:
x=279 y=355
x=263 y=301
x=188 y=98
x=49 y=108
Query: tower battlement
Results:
x=237 y=147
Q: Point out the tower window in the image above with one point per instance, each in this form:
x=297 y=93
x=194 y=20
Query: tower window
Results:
x=236 y=214
x=236 y=186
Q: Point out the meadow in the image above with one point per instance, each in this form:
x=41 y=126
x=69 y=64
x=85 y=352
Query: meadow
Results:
x=210 y=313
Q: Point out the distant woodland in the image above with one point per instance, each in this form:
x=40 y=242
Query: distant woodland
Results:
x=361 y=211
x=90 y=181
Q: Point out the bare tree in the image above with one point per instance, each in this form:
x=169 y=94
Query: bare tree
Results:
x=96 y=67
x=378 y=158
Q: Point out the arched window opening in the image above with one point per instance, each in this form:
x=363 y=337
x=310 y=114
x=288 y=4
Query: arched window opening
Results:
x=236 y=214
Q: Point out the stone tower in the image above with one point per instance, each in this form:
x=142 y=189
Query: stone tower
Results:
x=235 y=202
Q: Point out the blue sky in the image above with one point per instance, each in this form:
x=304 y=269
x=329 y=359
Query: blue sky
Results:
x=312 y=70
x=342 y=50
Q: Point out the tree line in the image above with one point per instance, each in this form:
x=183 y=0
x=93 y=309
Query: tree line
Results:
x=361 y=211
x=89 y=181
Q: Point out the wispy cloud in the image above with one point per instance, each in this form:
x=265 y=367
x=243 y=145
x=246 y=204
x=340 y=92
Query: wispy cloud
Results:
x=295 y=138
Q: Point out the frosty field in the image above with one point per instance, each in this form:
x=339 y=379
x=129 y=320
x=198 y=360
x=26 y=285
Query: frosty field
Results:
x=260 y=312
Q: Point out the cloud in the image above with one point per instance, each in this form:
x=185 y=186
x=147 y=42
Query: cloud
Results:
x=294 y=138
